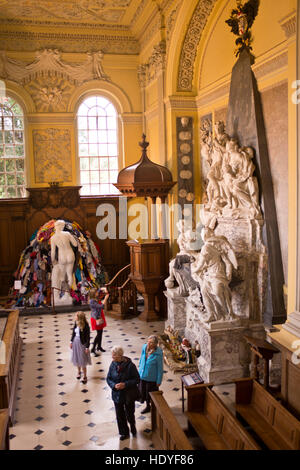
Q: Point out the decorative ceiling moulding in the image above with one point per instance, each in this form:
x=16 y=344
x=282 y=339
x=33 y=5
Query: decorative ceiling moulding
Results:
x=51 y=118
x=83 y=43
x=83 y=10
x=149 y=32
x=48 y=63
x=288 y=24
x=148 y=72
x=136 y=118
x=190 y=44
x=271 y=66
x=63 y=24
x=181 y=103
x=138 y=12
x=153 y=24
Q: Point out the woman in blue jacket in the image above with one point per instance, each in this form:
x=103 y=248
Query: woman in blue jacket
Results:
x=150 y=370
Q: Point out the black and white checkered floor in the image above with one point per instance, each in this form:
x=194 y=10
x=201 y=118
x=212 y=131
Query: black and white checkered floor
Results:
x=56 y=411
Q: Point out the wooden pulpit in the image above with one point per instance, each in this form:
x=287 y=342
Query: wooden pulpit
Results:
x=149 y=269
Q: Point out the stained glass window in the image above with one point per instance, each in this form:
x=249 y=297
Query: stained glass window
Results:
x=98 y=146
x=12 y=150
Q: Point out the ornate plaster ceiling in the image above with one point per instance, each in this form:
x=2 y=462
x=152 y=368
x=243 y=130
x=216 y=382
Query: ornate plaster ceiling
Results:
x=116 y=12
x=113 y=26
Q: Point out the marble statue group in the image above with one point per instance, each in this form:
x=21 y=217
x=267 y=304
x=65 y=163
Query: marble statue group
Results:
x=215 y=289
x=232 y=189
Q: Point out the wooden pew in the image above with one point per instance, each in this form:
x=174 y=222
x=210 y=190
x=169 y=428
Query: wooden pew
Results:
x=273 y=424
x=9 y=372
x=217 y=428
x=4 y=427
x=166 y=431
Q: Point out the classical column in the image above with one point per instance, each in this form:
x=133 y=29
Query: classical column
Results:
x=154 y=235
x=293 y=323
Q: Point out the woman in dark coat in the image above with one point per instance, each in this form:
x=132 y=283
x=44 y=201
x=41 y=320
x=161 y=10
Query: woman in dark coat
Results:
x=123 y=379
x=80 y=344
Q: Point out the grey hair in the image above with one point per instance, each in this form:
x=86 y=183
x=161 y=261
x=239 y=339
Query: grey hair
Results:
x=117 y=350
x=154 y=339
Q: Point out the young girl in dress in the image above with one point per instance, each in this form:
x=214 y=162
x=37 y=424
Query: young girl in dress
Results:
x=80 y=343
x=98 y=321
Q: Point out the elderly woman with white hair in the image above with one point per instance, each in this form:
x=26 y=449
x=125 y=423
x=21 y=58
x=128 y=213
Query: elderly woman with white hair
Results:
x=123 y=379
x=150 y=370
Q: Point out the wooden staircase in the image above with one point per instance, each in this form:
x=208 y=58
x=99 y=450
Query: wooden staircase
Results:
x=121 y=296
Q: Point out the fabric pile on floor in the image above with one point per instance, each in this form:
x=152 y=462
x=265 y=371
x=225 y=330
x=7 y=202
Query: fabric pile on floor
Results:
x=34 y=270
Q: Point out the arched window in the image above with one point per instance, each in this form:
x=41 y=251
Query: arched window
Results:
x=12 y=150
x=98 y=146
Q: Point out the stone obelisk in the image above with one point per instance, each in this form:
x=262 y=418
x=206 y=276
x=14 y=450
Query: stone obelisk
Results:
x=245 y=122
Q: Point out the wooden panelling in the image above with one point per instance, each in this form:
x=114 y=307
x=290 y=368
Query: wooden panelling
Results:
x=19 y=220
x=293 y=392
x=290 y=378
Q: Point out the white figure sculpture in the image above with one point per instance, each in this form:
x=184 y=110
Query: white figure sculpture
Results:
x=240 y=187
x=178 y=274
x=63 y=263
x=213 y=150
x=212 y=268
x=232 y=190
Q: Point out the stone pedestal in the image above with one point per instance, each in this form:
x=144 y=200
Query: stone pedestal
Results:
x=220 y=352
x=293 y=324
x=245 y=236
x=176 y=311
x=225 y=355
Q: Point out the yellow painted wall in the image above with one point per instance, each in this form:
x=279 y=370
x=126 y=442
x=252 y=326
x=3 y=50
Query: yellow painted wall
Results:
x=122 y=89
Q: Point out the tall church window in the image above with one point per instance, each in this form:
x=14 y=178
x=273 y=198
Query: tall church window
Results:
x=12 y=150
x=98 y=150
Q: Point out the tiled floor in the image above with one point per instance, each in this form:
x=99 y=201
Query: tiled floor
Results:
x=56 y=411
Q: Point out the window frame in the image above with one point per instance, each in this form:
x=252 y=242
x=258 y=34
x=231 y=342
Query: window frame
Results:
x=119 y=130
x=18 y=99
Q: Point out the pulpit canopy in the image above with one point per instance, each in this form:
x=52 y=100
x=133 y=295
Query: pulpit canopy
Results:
x=145 y=178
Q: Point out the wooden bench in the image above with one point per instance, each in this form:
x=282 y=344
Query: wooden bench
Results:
x=277 y=428
x=9 y=372
x=4 y=434
x=217 y=428
x=166 y=431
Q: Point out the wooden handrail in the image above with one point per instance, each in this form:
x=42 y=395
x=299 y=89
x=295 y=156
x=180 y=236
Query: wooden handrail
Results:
x=124 y=284
x=166 y=431
x=9 y=371
x=118 y=275
x=122 y=291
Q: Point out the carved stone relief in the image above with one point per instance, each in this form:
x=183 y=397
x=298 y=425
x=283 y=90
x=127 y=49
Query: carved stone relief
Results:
x=185 y=160
x=49 y=62
x=156 y=63
x=190 y=44
x=83 y=10
x=232 y=189
x=289 y=24
x=68 y=42
x=50 y=94
x=52 y=155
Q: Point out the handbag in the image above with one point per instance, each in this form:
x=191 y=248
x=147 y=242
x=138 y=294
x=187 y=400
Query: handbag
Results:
x=99 y=322
x=132 y=394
